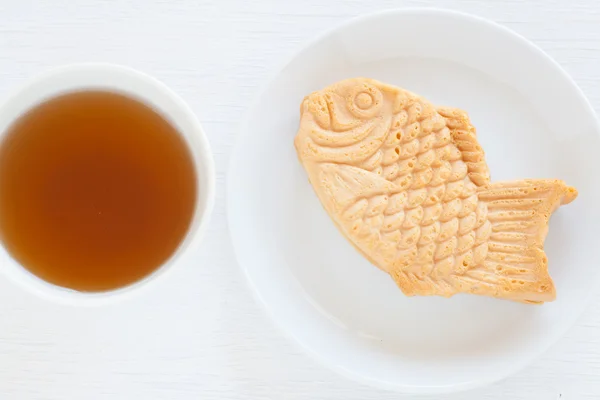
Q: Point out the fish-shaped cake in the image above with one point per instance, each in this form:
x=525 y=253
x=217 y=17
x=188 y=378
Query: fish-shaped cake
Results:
x=408 y=185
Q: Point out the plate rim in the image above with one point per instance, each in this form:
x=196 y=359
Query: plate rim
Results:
x=237 y=149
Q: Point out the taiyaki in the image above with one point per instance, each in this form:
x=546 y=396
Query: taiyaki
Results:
x=408 y=185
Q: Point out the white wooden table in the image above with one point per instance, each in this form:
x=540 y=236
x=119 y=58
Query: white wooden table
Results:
x=199 y=334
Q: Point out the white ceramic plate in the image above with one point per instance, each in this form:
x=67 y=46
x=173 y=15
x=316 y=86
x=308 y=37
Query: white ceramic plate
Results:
x=532 y=121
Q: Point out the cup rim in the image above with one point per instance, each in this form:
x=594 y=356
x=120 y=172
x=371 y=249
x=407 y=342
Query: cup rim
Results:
x=140 y=86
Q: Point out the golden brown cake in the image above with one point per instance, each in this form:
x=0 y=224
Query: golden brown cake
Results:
x=408 y=185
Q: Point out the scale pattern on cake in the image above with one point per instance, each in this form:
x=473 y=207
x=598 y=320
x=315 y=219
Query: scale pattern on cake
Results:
x=407 y=183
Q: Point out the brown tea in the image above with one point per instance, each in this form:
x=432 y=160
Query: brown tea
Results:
x=97 y=190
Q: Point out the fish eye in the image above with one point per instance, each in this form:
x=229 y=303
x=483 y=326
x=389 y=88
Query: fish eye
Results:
x=365 y=101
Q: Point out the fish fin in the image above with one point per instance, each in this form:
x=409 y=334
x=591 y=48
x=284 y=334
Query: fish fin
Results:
x=464 y=137
x=413 y=284
x=345 y=184
x=517 y=221
x=365 y=207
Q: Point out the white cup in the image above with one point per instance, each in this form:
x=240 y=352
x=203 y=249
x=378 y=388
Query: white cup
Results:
x=151 y=92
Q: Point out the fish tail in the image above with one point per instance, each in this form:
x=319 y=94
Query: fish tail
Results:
x=519 y=212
